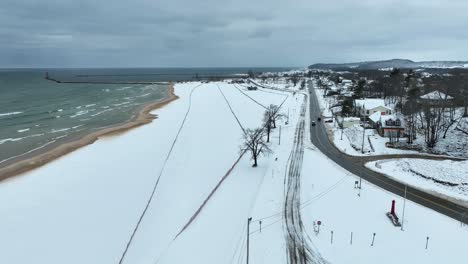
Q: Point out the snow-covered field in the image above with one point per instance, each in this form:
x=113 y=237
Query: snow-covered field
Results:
x=82 y=208
x=329 y=196
x=445 y=178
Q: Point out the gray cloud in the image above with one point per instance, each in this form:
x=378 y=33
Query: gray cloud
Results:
x=170 y=33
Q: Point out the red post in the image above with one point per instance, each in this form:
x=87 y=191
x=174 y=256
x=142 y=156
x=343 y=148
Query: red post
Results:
x=393 y=208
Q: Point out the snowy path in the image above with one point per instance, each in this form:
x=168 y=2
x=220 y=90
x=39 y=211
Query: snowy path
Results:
x=297 y=240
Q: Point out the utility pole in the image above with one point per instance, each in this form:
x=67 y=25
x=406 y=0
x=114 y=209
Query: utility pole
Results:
x=404 y=204
x=363 y=134
x=279 y=139
x=359 y=194
x=341 y=130
x=248 y=237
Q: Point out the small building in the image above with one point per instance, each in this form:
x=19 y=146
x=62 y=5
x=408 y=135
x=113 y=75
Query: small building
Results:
x=351 y=121
x=390 y=126
x=369 y=106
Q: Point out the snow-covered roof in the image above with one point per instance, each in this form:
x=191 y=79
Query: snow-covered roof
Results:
x=394 y=118
x=370 y=103
x=436 y=95
x=377 y=116
x=351 y=119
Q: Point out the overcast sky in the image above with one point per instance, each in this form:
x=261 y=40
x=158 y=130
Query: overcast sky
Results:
x=204 y=33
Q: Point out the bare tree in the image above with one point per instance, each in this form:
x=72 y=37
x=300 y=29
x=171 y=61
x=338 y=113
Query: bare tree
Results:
x=431 y=119
x=270 y=117
x=268 y=124
x=294 y=79
x=251 y=74
x=274 y=113
x=303 y=84
x=434 y=119
x=410 y=109
x=464 y=96
x=255 y=144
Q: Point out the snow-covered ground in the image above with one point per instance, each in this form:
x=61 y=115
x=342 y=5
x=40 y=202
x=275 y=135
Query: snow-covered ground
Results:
x=456 y=141
x=351 y=142
x=83 y=207
x=445 y=178
x=329 y=196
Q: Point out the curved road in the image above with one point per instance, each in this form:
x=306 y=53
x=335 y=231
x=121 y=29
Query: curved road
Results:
x=355 y=165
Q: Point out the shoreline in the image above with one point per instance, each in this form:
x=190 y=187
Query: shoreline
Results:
x=36 y=160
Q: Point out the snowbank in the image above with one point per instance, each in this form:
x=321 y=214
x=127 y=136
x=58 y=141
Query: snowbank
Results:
x=444 y=178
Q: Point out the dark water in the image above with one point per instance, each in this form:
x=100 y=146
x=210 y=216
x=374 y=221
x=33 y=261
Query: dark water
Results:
x=35 y=113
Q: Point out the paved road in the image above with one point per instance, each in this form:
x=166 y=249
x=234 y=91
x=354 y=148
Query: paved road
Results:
x=356 y=166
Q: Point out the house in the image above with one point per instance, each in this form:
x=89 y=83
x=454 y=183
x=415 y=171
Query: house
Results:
x=345 y=122
x=345 y=84
x=436 y=98
x=387 y=125
x=369 y=106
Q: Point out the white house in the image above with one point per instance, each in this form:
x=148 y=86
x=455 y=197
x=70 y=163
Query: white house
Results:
x=436 y=98
x=388 y=125
x=368 y=106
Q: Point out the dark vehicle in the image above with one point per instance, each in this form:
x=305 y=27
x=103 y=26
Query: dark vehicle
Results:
x=313 y=123
x=251 y=88
x=328 y=121
x=319 y=119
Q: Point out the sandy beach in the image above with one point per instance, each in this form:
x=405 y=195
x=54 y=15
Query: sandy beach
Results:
x=54 y=151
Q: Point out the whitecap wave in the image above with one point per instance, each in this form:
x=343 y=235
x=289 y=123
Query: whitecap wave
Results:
x=101 y=112
x=11 y=113
x=5 y=140
x=124 y=88
x=124 y=103
x=84 y=112
x=143 y=95
x=32 y=150
x=23 y=130
x=60 y=130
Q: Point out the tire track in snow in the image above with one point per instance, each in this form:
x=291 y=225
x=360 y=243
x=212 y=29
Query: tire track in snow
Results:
x=298 y=249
